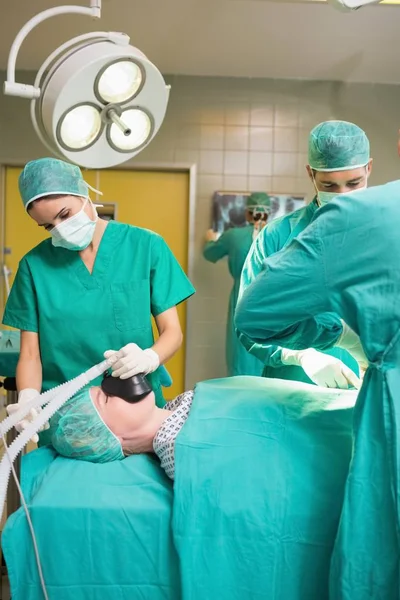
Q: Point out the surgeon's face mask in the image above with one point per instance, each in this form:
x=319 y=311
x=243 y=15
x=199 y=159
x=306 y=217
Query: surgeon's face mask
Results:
x=326 y=197
x=76 y=233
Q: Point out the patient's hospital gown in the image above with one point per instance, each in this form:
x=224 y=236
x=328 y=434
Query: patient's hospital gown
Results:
x=348 y=261
x=164 y=440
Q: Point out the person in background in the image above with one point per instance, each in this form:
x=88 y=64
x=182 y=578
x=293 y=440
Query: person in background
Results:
x=91 y=287
x=339 y=162
x=235 y=244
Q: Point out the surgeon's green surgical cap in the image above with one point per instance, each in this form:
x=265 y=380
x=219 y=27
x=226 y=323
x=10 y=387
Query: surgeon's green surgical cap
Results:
x=50 y=176
x=338 y=146
x=79 y=432
x=258 y=199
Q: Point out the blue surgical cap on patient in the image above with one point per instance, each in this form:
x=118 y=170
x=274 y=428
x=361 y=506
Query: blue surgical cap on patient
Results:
x=338 y=146
x=50 y=176
x=79 y=432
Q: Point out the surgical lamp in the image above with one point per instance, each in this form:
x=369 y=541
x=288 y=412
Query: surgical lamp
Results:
x=348 y=5
x=96 y=101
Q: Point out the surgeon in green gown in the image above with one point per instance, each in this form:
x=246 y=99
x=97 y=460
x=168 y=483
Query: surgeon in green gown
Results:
x=339 y=161
x=347 y=262
x=235 y=243
x=90 y=289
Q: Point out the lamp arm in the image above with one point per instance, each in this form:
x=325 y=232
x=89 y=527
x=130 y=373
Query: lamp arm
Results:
x=11 y=87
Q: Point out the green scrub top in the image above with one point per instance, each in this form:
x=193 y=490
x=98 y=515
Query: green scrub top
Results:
x=347 y=261
x=79 y=315
x=235 y=244
x=273 y=238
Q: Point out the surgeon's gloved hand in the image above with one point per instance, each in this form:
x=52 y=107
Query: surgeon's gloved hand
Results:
x=25 y=396
x=322 y=369
x=350 y=341
x=131 y=360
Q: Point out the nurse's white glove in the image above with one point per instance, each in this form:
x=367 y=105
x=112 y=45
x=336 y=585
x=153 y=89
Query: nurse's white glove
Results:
x=322 y=369
x=131 y=360
x=350 y=341
x=25 y=396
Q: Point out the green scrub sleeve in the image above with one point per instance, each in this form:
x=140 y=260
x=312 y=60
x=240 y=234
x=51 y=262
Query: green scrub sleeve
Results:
x=214 y=251
x=255 y=261
x=169 y=283
x=22 y=308
x=280 y=306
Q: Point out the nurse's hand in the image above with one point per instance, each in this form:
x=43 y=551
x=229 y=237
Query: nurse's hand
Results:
x=323 y=370
x=23 y=397
x=131 y=360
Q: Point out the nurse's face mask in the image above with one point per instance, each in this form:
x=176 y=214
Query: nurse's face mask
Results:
x=340 y=182
x=75 y=233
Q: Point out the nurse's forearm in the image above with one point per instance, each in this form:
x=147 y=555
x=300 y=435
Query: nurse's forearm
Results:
x=29 y=374
x=168 y=344
x=170 y=334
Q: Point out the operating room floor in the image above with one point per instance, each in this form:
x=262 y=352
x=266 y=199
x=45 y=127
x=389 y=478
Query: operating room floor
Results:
x=5 y=588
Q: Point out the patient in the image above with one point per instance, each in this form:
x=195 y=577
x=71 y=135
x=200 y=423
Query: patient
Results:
x=97 y=426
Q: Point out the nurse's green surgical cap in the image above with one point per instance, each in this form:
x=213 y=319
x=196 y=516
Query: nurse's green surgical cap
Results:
x=79 y=432
x=50 y=176
x=338 y=146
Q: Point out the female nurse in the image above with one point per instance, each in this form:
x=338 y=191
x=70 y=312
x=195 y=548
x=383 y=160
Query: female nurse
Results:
x=92 y=285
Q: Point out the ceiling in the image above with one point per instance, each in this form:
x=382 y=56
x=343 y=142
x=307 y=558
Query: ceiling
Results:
x=237 y=38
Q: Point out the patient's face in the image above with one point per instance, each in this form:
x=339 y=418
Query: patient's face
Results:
x=120 y=416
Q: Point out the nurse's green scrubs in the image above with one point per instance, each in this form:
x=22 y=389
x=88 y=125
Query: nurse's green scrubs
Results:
x=235 y=244
x=79 y=315
x=273 y=238
x=348 y=261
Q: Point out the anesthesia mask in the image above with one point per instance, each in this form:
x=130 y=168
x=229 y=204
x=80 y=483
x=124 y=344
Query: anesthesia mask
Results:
x=131 y=390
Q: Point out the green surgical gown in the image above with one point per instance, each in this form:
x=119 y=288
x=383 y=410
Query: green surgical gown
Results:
x=348 y=262
x=273 y=238
x=79 y=315
x=235 y=244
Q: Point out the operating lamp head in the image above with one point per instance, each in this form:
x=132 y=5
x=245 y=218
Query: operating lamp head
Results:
x=101 y=103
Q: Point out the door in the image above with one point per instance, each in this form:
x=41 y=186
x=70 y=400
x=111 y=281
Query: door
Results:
x=156 y=200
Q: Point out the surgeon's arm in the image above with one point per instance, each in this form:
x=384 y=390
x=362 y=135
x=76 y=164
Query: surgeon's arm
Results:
x=29 y=368
x=280 y=305
x=263 y=246
x=215 y=248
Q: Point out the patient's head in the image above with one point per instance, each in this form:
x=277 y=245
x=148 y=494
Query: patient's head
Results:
x=96 y=427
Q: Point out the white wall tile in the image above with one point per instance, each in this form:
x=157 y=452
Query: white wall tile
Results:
x=285 y=164
x=237 y=113
x=260 y=163
x=236 y=163
x=208 y=184
x=261 y=115
x=211 y=162
x=261 y=138
x=260 y=184
x=236 y=183
x=212 y=137
x=286 y=139
x=286 y=115
x=236 y=138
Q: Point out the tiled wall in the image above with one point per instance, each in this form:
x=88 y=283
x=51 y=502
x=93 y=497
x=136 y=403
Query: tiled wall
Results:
x=243 y=135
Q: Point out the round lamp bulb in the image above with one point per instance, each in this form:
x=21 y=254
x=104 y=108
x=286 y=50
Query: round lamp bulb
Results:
x=80 y=127
x=119 y=82
x=140 y=126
